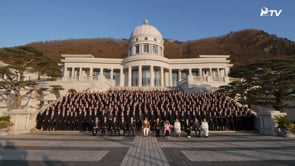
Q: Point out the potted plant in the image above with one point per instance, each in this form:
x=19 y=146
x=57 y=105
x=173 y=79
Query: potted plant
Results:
x=285 y=126
x=5 y=123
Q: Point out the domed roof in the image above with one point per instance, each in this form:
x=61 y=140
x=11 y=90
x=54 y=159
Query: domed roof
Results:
x=146 y=29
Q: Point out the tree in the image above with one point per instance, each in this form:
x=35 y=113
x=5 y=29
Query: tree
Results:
x=12 y=79
x=267 y=82
x=12 y=82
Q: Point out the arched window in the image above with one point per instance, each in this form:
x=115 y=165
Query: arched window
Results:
x=146 y=48
x=157 y=75
x=146 y=77
x=137 y=49
x=155 y=49
x=134 y=77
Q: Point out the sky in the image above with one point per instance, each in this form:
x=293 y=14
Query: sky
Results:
x=27 y=21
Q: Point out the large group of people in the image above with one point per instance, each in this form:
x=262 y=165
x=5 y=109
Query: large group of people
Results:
x=123 y=112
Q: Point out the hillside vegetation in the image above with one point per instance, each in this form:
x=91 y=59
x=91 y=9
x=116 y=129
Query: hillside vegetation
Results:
x=245 y=46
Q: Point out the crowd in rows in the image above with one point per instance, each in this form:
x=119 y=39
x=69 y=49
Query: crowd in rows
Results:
x=121 y=110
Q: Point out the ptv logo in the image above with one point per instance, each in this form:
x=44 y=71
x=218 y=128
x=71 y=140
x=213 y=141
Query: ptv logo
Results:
x=270 y=12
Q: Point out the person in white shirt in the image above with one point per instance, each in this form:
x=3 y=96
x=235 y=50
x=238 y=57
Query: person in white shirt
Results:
x=177 y=128
x=205 y=127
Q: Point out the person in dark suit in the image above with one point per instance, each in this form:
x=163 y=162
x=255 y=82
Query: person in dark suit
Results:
x=104 y=126
x=39 y=120
x=158 y=127
x=115 y=128
x=96 y=127
x=188 y=128
x=132 y=126
x=59 y=120
x=123 y=125
x=197 y=127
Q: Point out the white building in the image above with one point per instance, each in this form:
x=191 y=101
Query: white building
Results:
x=145 y=66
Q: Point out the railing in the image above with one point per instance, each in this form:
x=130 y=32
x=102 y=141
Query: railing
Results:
x=206 y=78
x=200 y=78
x=140 y=88
x=218 y=79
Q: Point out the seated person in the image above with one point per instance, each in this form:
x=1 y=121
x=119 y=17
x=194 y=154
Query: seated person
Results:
x=132 y=126
x=123 y=126
x=205 y=128
x=177 y=127
x=167 y=128
x=158 y=127
x=188 y=128
x=197 y=127
x=96 y=127
x=104 y=126
x=146 y=127
x=115 y=127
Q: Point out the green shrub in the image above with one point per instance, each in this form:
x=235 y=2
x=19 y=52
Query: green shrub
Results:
x=5 y=122
x=284 y=122
x=5 y=118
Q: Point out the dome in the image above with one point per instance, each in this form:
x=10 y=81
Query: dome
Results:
x=146 y=29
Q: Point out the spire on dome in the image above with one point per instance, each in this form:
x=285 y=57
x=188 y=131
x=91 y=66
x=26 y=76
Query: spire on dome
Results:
x=146 y=22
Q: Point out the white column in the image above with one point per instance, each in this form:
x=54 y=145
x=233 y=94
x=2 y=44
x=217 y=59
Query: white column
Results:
x=218 y=74
x=65 y=72
x=170 y=77
x=101 y=72
x=190 y=71
x=179 y=74
x=122 y=77
x=73 y=74
x=112 y=74
x=210 y=75
x=226 y=78
x=162 y=76
x=152 y=76
x=129 y=76
x=210 y=70
x=200 y=72
x=91 y=73
x=139 y=75
x=80 y=73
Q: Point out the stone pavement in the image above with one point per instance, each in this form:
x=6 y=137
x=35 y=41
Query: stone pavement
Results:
x=221 y=148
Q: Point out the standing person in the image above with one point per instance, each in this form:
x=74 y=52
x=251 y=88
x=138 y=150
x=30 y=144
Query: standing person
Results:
x=177 y=127
x=39 y=121
x=146 y=127
x=197 y=127
x=205 y=127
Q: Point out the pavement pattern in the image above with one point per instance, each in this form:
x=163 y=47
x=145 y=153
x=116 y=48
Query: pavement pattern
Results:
x=221 y=148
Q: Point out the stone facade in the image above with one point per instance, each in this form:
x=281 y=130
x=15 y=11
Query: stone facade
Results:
x=145 y=66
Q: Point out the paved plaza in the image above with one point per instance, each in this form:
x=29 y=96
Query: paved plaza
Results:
x=221 y=148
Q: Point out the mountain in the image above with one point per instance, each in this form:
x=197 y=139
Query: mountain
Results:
x=245 y=46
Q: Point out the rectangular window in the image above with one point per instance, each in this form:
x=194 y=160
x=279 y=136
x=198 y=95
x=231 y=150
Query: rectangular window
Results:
x=155 y=49
x=146 y=48
x=137 y=49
